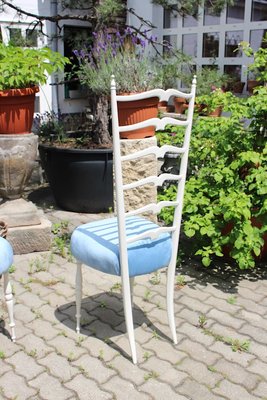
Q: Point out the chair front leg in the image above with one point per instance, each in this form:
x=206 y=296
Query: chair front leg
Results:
x=170 y=301
x=78 y=296
x=10 y=305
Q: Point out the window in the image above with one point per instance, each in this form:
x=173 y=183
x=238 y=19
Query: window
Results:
x=191 y=20
x=169 y=19
x=234 y=71
x=259 y=10
x=189 y=44
x=236 y=12
x=256 y=38
x=231 y=43
x=31 y=38
x=74 y=38
x=210 y=44
x=210 y=17
x=169 y=41
x=15 y=37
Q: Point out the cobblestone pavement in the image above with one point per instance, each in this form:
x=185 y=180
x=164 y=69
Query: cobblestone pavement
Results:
x=221 y=320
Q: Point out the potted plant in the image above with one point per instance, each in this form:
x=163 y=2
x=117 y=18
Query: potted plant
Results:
x=124 y=55
x=210 y=88
x=78 y=170
x=21 y=71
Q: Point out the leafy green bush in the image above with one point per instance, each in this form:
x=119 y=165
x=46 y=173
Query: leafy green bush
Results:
x=26 y=67
x=225 y=204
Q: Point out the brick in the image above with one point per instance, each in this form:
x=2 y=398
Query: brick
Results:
x=226 y=352
x=25 y=365
x=224 y=318
x=165 y=351
x=87 y=389
x=261 y=390
x=50 y=388
x=237 y=374
x=258 y=367
x=122 y=389
x=194 y=390
x=96 y=368
x=14 y=386
x=199 y=372
x=161 y=391
x=198 y=352
x=59 y=367
x=232 y=391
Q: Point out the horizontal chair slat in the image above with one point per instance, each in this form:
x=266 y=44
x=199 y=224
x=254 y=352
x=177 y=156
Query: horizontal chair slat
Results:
x=159 y=124
x=159 y=152
x=155 y=208
x=155 y=180
x=153 y=234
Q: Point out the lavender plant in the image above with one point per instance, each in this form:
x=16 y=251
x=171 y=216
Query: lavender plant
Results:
x=124 y=55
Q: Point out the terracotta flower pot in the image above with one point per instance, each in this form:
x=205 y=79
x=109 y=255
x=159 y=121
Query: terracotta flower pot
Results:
x=180 y=105
x=16 y=110
x=137 y=111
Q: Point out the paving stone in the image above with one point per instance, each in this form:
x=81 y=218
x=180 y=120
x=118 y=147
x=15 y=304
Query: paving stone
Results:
x=253 y=318
x=50 y=388
x=66 y=347
x=198 y=352
x=237 y=374
x=161 y=391
x=194 y=390
x=251 y=294
x=195 y=304
x=254 y=333
x=165 y=351
x=25 y=365
x=122 y=389
x=43 y=329
x=252 y=306
x=261 y=390
x=35 y=345
x=14 y=386
x=59 y=367
x=195 y=333
x=199 y=372
x=31 y=300
x=258 y=367
x=225 y=351
x=95 y=368
x=225 y=318
x=98 y=347
x=127 y=370
x=4 y=367
x=24 y=313
x=87 y=389
x=259 y=350
x=233 y=392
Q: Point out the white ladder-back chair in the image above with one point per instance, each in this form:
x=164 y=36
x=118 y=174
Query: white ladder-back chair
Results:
x=6 y=260
x=129 y=245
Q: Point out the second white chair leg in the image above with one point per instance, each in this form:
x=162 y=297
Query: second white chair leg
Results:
x=170 y=302
x=10 y=305
x=127 y=304
x=132 y=289
x=78 y=296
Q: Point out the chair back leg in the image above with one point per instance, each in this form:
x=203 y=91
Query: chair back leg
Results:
x=78 y=296
x=10 y=304
x=170 y=301
x=128 y=314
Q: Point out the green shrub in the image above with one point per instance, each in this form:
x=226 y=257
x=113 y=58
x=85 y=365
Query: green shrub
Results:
x=226 y=190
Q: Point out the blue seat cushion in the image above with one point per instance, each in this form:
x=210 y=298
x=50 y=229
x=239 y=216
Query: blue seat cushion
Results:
x=6 y=255
x=96 y=244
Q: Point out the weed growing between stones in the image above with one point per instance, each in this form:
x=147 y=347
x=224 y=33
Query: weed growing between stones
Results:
x=236 y=344
x=61 y=240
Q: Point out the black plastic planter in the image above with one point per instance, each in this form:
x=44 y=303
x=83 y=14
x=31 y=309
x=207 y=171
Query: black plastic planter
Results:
x=81 y=180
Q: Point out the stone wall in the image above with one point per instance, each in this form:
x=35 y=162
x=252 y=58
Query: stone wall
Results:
x=137 y=169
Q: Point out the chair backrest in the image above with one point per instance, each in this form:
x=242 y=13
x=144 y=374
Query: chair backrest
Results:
x=159 y=152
